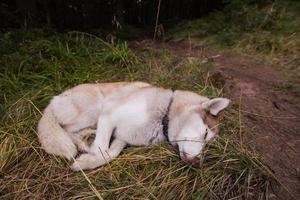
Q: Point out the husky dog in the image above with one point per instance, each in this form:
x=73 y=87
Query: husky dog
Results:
x=127 y=113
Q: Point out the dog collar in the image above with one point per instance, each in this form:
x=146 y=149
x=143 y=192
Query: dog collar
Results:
x=165 y=120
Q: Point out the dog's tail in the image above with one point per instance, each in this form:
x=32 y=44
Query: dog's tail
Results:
x=54 y=139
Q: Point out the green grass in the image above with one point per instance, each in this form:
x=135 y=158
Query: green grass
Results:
x=270 y=31
x=37 y=64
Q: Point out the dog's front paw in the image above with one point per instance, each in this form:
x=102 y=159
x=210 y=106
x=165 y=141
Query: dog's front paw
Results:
x=86 y=161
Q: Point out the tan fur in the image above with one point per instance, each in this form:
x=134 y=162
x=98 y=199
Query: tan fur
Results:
x=211 y=121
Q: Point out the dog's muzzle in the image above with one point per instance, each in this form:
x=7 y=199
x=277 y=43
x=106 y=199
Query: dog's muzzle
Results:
x=193 y=161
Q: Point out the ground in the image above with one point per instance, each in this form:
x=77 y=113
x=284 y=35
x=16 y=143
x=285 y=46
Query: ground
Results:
x=271 y=116
x=38 y=65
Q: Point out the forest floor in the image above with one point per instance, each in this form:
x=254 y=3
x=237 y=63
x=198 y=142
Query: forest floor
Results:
x=38 y=64
x=270 y=115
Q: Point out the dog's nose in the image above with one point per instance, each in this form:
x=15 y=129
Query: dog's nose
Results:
x=193 y=161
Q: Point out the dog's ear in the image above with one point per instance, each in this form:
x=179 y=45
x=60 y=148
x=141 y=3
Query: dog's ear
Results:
x=216 y=105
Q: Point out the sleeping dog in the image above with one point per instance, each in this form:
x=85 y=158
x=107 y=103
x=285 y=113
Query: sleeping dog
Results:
x=127 y=113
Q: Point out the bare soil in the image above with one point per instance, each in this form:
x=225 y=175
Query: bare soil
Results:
x=272 y=117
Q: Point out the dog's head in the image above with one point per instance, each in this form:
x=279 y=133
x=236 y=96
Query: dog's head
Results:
x=200 y=127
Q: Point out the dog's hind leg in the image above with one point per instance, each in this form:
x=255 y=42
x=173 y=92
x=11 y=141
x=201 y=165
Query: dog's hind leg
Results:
x=92 y=160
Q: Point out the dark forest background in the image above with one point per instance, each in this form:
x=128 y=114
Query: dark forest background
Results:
x=91 y=14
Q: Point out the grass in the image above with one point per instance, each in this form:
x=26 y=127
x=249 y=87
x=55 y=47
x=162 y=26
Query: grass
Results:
x=37 y=64
x=270 y=31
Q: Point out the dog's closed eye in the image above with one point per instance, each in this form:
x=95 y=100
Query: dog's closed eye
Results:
x=206 y=132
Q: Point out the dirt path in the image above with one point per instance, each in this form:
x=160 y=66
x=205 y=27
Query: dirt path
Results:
x=272 y=116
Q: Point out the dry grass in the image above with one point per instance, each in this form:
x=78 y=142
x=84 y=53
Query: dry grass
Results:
x=37 y=65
